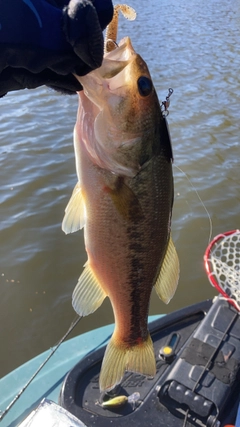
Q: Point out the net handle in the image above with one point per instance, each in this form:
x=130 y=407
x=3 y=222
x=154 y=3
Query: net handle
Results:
x=210 y=275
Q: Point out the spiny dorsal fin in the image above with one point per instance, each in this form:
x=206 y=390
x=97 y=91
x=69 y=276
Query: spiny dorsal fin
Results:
x=88 y=294
x=75 y=212
x=167 y=281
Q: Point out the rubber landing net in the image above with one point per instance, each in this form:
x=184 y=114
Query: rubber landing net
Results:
x=222 y=264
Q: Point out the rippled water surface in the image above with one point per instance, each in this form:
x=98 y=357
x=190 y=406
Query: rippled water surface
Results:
x=192 y=47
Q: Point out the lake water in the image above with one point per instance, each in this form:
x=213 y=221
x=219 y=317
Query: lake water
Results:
x=193 y=47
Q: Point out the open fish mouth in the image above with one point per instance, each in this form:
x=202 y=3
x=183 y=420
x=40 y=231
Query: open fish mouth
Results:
x=113 y=63
x=116 y=60
x=116 y=56
x=112 y=75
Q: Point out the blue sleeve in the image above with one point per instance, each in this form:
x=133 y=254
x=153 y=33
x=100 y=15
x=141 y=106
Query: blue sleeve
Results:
x=32 y=23
x=46 y=41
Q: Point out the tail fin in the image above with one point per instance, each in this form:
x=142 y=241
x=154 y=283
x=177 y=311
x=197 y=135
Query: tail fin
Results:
x=118 y=358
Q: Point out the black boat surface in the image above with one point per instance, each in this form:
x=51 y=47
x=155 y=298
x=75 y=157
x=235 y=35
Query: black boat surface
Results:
x=197 y=352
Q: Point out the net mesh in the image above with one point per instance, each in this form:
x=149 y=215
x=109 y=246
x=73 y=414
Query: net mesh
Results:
x=224 y=265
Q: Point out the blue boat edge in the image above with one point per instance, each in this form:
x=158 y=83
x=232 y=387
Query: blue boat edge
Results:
x=48 y=382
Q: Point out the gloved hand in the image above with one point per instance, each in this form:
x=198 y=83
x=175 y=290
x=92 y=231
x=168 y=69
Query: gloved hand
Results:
x=42 y=42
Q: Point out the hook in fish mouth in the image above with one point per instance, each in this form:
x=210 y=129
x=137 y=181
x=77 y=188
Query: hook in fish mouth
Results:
x=110 y=45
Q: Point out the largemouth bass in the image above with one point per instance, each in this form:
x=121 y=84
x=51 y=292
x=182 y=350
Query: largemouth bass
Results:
x=123 y=199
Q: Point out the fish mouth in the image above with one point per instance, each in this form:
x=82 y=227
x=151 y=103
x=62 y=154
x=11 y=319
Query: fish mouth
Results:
x=113 y=63
x=116 y=60
x=111 y=68
x=122 y=52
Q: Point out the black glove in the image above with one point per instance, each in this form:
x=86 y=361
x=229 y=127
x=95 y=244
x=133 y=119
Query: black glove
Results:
x=42 y=42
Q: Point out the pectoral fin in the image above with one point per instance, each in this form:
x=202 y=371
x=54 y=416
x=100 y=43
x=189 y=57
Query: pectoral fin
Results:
x=125 y=201
x=167 y=281
x=88 y=295
x=75 y=212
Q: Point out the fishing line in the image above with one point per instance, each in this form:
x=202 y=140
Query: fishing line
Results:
x=72 y=326
x=201 y=201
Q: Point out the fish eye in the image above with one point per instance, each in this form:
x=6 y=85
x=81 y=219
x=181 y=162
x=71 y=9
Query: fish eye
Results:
x=144 y=86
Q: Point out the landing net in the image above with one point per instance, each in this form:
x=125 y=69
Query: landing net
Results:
x=222 y=263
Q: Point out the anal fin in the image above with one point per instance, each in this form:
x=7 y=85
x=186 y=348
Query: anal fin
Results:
x=88 y=294
x=167 y=281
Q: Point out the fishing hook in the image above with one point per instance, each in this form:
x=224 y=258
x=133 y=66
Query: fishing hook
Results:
x=110 y=45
